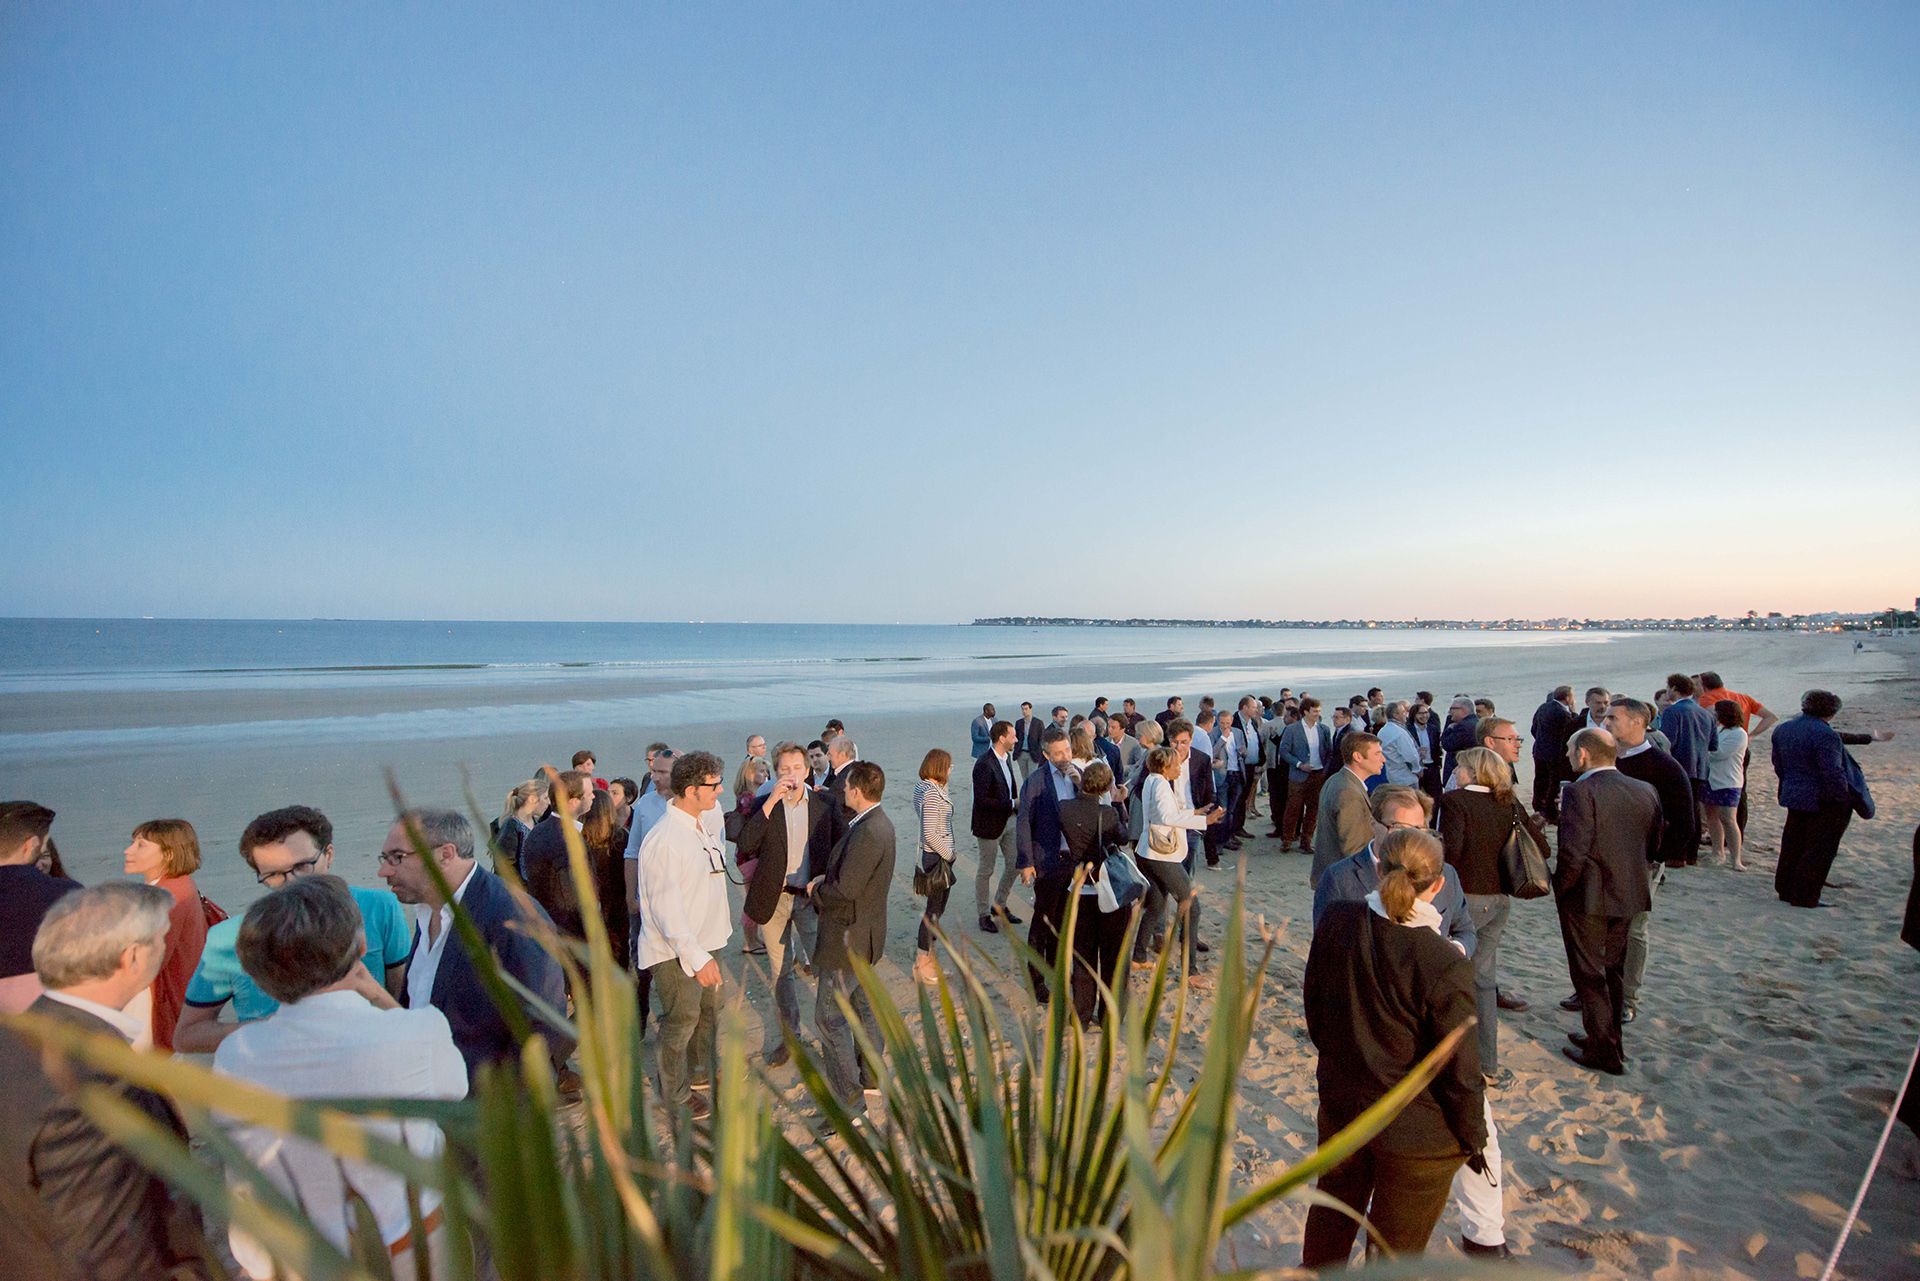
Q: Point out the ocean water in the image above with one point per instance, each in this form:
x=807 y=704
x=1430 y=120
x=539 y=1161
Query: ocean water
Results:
x=77 y=687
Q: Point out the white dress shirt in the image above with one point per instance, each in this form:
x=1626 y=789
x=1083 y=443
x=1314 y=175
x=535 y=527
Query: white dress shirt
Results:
x=425 y=966
x=795 y=815
x=338 y=1045
x=1006 y=771
x=128 y=1025
x=1313 y=745
x=683 y=893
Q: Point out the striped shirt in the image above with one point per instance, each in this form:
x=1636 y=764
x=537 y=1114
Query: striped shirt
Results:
x=935 y=808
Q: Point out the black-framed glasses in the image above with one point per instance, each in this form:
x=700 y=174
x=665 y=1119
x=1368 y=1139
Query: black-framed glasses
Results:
x=717 y=861
x=274 y=880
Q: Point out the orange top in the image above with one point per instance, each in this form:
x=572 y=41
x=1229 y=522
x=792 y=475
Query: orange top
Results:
x=186 y=936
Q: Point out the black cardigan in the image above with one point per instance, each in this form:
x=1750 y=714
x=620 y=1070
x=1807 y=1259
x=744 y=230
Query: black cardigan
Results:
x=1474 y=827
x=1379 y=996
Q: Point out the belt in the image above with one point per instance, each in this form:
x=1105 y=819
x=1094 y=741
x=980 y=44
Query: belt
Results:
x=428 y=1226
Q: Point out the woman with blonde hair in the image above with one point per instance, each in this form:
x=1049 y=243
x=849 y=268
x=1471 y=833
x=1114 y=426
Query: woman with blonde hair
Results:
x=526 y=804
x=1382 y=990
x=166 y=852
x=935 y=869
x=1475 y=821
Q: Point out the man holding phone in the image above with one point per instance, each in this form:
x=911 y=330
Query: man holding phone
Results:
x=791 y=833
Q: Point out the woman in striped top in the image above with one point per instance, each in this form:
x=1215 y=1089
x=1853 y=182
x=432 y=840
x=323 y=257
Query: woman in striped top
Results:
x=935 y=808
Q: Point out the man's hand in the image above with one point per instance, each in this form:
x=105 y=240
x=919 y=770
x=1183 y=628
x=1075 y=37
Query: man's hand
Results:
x=813 y=885
x=1026 y=876
x=371 y=988
x=1883 y=736
x=708 y=975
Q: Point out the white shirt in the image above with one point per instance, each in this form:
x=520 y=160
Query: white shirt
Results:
x=1727 y=763
x=128 y=1025
x=1231 y=742
x=338 y=1045
x=430 y=948
x=1313 y=744
x=1006 y=772
x=1403 y=754
x=795 y=817
x=1644 y=745
x=683 y=893
x=646 y=812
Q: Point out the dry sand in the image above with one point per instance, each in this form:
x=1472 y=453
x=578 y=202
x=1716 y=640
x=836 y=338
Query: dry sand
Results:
x=1769 y=1042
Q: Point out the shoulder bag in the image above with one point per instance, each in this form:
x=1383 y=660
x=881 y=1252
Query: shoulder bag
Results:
x=1523 y=864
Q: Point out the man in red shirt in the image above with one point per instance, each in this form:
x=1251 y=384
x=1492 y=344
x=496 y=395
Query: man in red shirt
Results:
x=1712 y=690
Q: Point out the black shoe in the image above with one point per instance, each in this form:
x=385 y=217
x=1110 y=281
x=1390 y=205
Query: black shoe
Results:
x=1213 y=862
x=1518 y=1004
x=1570 y=1003
x=779 y=1056
x=1498 y=1080
x=1592 y=1065
x=1274 y=835
x=987 y=926
x=1486 y=1251
x=1233 y=844
x=1578 y=1038
x=1011 y=918
x=1201 y=947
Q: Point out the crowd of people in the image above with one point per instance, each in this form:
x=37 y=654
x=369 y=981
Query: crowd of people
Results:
x=1407 y=817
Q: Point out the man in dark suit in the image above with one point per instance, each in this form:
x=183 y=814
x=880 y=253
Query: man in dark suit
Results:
x=850 y=894
x=1026 y=741
x=1460 y=733
x=1610 y=828
x=543 y=854
x=1175 y=710
x=995 y=796
x=1552 y=724
x=1042 y=846
x=841 y=754
x=776 y=898
x=1200 y=783
x=439 y=971
x=76 y=1205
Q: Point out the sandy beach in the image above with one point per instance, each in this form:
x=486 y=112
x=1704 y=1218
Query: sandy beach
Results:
x=1769 y=1043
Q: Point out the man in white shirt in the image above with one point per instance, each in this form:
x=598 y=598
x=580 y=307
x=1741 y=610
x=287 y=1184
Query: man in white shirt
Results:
x=337 y=1034
x=684 y=920
x=1396 y=742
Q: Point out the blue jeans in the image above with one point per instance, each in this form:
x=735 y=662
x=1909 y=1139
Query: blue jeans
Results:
x=1489 y=913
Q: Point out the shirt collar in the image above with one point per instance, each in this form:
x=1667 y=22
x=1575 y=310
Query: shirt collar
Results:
x=119 y=1020
x=1645 y=745
x=1590 y=773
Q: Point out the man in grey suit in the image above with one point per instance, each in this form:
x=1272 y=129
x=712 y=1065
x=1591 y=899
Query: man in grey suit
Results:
x=1307 y=748
x=851 y=897
x=1610 y=828
x=1346 y=821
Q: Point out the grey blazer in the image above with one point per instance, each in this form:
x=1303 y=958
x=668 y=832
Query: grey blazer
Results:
x=1293 y=750
x=1346 y=822
x=852 y=900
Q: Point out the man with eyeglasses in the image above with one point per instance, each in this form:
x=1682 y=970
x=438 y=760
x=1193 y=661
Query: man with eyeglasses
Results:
x=1499 y=736
x=684 y=920
x=281 y=846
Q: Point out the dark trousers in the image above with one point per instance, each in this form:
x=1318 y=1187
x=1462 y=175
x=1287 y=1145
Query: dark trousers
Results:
x=840 y=1059
x=1597 y=962
x=1043 y=932
x=936 y=905
x=1740 y=815
x=1430 y=780
x=1233 y=800
x=1809 y=843
x=1548 y=772
x=1096 y=950
x=1169 y=895
x=1277 y=795
x=1402 y=1197
x=1303 y=808
x=1248 y=786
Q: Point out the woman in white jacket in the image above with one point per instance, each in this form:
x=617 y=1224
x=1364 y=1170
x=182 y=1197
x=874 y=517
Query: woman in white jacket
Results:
x=1161 y=855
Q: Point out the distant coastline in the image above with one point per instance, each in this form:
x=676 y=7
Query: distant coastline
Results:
x=1881 y=621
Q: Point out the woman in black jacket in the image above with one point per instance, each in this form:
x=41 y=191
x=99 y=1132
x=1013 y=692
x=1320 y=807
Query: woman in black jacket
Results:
x=1382 y=989
x=1475 y=820
x=1091 y=827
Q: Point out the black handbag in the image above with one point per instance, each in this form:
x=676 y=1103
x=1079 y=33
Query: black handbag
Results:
x=1523 y=864
x=928 y=881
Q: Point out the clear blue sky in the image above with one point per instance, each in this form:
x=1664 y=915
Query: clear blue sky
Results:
x=878 y=312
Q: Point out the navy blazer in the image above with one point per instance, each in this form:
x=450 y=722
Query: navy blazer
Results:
x=1200 y=778
x=1693 y=732
x=1038 y=837
x=1111 y=751
x=1026 y=738
x=478 y=1029
x=1811 y=762
x=1455 y=738
x=1353 y=878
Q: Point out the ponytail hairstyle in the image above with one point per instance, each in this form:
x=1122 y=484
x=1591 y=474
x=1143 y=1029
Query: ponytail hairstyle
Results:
x=1413 y=861
x=520 y=795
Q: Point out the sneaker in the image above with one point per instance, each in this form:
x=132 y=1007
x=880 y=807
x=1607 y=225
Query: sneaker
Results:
x=700 y=1083
x=699 y=1107
x=1629 y=1014
x=926 y=970
x=1518 y=1004
x=1474 y=1248
x=1499 y=1080
x=987 y=926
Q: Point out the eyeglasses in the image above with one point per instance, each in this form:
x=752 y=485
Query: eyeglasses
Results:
x=717 y=861
x=1405 y=827
x=393 y=858
x=274 y=880
x=1506 y=738
x=713 y=783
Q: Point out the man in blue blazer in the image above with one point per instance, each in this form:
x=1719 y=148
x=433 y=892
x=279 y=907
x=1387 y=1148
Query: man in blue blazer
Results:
x=439 y=972
x=1043 y=846
x=1810 y=758
x=1395 y=808
x=982 y=731
x=1307 y=748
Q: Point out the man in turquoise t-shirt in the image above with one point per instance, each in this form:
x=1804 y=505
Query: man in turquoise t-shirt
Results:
x=279 y=846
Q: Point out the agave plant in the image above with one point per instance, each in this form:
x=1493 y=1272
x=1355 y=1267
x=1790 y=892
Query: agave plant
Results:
x=1014 y=1143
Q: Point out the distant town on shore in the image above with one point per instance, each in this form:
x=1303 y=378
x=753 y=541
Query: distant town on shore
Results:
x=1885 y=620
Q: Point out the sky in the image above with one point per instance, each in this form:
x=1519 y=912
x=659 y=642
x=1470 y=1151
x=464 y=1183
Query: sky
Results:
x=875 y=313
